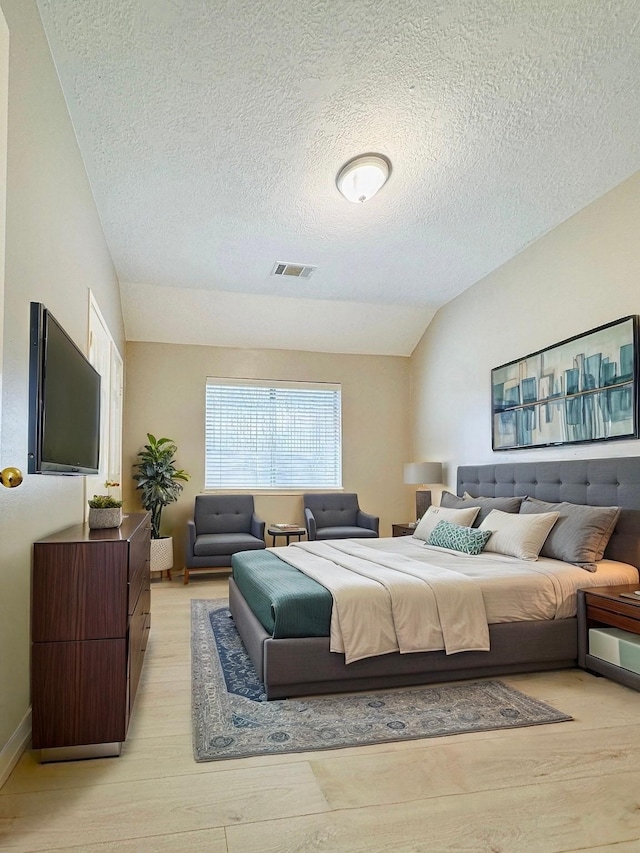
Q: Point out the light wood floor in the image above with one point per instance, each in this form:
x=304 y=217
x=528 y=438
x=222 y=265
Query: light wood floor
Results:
x=562 y=787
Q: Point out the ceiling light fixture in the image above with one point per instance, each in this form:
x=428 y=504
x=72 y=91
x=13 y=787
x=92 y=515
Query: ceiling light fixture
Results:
x=362 y=177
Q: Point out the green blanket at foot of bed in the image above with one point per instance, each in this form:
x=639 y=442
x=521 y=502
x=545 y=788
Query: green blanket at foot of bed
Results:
x=287 y=602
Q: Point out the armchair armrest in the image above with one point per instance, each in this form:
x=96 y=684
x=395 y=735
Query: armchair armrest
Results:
x=368 y=521
x=310 y=524
x=257 y=527
x=191 y=540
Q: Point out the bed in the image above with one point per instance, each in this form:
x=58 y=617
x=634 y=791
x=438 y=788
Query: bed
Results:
x=295 y=666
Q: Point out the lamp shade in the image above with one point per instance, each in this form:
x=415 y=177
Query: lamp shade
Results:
x=361 y=178
x=422 y=472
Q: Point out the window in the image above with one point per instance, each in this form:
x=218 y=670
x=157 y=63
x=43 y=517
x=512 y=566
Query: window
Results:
x=272 y=435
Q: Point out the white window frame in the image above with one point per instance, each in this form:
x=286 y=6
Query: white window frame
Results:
x=264 y=477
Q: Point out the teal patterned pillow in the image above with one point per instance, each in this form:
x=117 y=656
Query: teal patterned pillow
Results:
x=467 y=540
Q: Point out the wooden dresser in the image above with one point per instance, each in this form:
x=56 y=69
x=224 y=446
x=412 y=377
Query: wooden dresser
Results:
x=90 y=620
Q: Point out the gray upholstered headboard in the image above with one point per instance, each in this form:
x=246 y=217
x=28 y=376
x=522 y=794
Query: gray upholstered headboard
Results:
x=595 y=482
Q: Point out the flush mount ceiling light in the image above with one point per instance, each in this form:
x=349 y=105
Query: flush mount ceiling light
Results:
x=361 y=178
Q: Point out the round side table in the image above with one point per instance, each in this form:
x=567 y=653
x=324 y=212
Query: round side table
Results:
x=287 y=532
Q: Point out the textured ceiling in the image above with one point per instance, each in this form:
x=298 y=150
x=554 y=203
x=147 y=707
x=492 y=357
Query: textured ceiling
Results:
x=212 y=133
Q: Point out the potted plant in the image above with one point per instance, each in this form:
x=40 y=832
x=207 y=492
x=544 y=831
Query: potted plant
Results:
x=159 y=482
x=104 y=511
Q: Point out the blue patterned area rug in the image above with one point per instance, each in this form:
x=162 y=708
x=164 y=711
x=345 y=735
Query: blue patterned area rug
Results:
x=232 y=719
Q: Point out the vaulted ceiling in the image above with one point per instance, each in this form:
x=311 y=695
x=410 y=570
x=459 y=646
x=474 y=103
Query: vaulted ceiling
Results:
x=212 y=133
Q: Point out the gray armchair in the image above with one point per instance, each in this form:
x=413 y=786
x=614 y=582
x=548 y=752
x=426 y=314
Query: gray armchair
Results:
x=222 y=525
x=338 y=516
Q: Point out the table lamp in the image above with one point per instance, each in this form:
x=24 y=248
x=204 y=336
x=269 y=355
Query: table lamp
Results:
x=419 y=473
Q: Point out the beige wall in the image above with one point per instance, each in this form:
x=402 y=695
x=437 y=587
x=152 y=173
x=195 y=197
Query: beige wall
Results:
x=581 y=275
x=165 y=393
x=55 y=252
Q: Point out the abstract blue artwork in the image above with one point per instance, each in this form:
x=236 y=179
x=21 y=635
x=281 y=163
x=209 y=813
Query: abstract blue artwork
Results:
x=582 y=389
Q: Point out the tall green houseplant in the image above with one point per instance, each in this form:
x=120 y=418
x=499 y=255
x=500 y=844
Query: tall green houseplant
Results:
x=158 y=478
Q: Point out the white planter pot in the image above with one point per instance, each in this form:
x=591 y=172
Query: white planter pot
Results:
x=162 y=554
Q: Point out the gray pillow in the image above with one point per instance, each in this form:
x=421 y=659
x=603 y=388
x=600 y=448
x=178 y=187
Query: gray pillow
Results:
x=486 y=505
x=580 y=534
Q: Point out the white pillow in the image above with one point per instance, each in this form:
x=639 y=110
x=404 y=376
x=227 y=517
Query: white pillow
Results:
x=463 y=517
x=515 y=536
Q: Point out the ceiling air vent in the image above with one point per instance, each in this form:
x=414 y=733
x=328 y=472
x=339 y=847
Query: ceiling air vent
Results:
x=295 y=270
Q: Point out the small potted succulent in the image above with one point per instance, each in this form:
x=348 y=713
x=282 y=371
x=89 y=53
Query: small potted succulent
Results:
x=104 y=511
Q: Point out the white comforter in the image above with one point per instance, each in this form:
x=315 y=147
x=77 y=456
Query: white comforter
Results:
x=400 y=595
x=387 y=603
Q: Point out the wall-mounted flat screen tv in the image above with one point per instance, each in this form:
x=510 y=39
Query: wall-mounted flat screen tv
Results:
x=64 y=401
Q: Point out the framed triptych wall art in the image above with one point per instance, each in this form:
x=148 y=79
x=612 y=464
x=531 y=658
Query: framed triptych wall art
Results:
x=582 y=389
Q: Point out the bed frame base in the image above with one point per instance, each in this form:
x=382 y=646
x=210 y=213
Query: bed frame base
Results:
x=304 y=666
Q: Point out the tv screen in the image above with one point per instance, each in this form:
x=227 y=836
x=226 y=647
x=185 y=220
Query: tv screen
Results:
x=64 y=401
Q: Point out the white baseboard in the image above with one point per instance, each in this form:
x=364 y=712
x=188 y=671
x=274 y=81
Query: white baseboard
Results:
x=15 y=746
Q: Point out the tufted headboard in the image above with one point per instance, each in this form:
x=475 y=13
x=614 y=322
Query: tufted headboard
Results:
x=595 y=482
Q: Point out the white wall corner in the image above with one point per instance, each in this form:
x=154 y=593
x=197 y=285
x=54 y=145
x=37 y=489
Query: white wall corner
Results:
x=15 y=746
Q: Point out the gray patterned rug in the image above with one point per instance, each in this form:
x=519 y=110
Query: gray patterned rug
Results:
x=232 y=719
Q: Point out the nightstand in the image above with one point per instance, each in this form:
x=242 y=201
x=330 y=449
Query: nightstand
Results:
x=403 y=529
x=604 y=607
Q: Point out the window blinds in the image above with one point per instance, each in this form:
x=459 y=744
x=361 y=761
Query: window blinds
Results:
x=272 y=435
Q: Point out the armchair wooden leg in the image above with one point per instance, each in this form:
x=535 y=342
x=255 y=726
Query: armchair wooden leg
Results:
x=169 y=573
x=186 y=575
